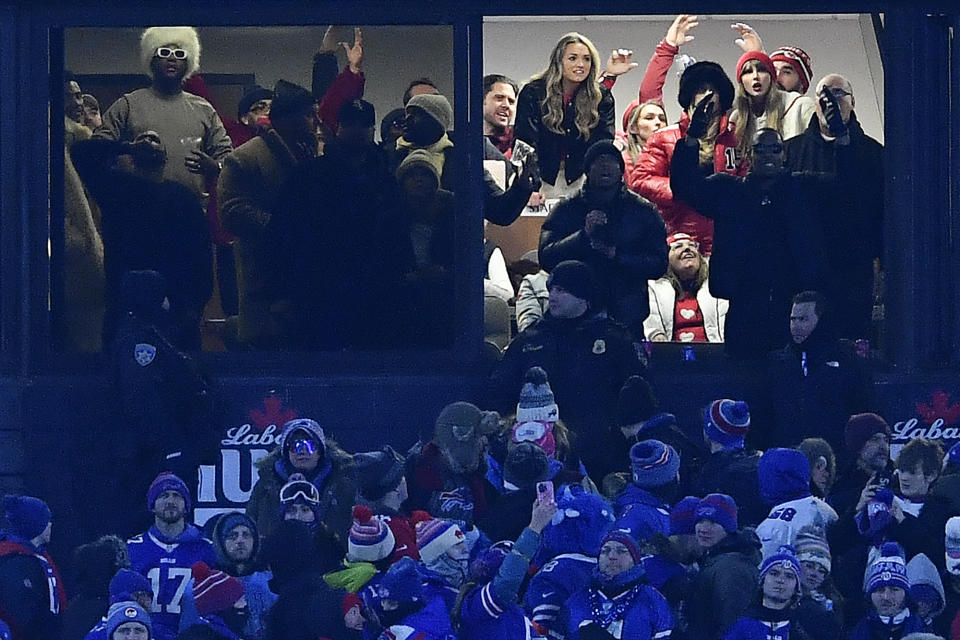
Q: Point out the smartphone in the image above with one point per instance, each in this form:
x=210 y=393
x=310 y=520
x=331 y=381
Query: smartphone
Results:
x=544 y=492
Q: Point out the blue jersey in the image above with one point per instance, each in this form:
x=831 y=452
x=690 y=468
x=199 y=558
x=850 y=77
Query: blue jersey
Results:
x=167 y=563
x=556 y=581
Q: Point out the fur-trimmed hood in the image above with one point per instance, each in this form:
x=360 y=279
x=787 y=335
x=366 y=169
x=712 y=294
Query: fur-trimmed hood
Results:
x=184 y=37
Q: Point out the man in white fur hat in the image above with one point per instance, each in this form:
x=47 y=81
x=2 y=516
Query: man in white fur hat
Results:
x=191 y=131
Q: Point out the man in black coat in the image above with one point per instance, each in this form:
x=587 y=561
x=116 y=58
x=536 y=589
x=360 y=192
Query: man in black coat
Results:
x=615 y=231
x=852 y=221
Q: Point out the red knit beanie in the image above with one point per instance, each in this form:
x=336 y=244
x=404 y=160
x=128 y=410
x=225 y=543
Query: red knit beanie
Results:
x=214 y=590
x=799 y=60
x=755 y=55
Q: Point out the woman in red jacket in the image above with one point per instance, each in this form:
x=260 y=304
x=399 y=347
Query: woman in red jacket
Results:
x=651 y=175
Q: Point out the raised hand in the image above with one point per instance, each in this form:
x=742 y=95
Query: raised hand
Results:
x=831 y=113
x=355 y=53
x=702 y=115
x=749 y=39
x=619 y=62
x=677 y=33
x=329 y=44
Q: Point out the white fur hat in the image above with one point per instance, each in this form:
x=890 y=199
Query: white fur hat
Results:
x=184 y=37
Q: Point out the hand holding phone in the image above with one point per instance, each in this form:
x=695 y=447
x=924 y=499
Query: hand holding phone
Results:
x=545 y=492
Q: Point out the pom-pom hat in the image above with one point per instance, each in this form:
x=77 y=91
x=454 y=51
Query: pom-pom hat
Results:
x=785 y=558
x=727 y=422
x=536 y=398
x=370 y=538
x=435 y=537
x=214 y=590
x=653 y=463
x=889 y=570
x=799 y=60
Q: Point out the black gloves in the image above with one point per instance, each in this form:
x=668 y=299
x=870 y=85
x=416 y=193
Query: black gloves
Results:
x=831 y=113
x=702 y=115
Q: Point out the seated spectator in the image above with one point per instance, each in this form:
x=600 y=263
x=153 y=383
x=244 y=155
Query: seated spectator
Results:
x=651 y=175
x=561 y=129
x=618 y=602
x=619 y=234
x=784 y=476
x=446 y=478
x=532 y=299
x=775 y=614
x=681 y=306
x=725 y=587
x=643 y=508
x=731 y=467
x=237 y=544
x=886 y=589
x=823 y=465
x=814 y=383
x=127 y=587
x=304 y=448
x=926 y=589
x=567 y=555
x=487 y=605
x=820 y=600
x=382 y=486
x=587 y=356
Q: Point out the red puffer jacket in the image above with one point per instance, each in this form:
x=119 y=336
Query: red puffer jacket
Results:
x=651 y=178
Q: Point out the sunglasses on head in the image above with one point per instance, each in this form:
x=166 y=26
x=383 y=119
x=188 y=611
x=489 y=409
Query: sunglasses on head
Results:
x=170 y=52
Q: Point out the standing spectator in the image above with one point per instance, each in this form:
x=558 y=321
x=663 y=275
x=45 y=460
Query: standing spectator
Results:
x=587 y=356
x=640 y=121
x=91 y=112
x=304 y=448
x=820 y=600
x=724 y=588
x=793 y=69
x=616 y=232
x=855 y=218
x=784 y=476
x=138 y=202
x=32 y=593
x=775 y=616
x=236 y=542
x=651 y=176
x=428 y=119
x=165 y=552
x=409 y=609
x=823 y=465
x=926 y=589
x=444 y=551
x=886 y=589
x=562 y=111
x=618 y=603
x=94 y=566
x=731 y=467
x=382 y=486
x=187 y=125
x=950 y=619
x=681 y=306
x=220 y=600
x=643 y=508
x=499 y=111
x=250 y=192
x=128 y=621
x=767 y=213
x=525 y=466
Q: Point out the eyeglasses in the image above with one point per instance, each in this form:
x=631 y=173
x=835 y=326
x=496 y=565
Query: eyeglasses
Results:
x=169 y=52
x=302 y=489
x=838 y=92
x=260 y=106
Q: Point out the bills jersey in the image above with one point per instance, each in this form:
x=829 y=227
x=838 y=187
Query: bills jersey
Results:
x=786 y=520
x=167 y=563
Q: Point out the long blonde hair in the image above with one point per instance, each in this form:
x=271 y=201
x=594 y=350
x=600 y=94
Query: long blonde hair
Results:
x=588 y=94
x=633 y=140
x=746 y=122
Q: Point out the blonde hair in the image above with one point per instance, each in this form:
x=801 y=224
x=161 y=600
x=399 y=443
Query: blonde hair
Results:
x=587 y=97
x=746 y=123
x=634 y=146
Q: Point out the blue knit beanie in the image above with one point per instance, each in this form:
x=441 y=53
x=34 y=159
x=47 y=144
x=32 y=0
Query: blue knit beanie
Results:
x=401 y=582
x=624 y=537
x=654 y=463
x=26 y=516
x=683 y=517
x=719 y=508
x=123 y=612
x=126 y=583
x=167 y=481
x=786 y=558
x=889 y=570
x=727 y=422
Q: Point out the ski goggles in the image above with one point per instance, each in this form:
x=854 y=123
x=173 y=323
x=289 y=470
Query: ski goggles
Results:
x=300 y=489
x=303 y=446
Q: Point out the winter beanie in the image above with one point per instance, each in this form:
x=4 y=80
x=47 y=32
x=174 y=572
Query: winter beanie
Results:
x=214 y=591
x=703 y=74
x=127 y=582
x=436 y=106
x=623 y=537
x=727 y=422
x=599 y=148
x=435 y=537
x=370 y=538
x=123 y=612
x=811 y=546
x=683 y=517
x=457 y=430
x=401 y=582
x=312 y=429
x=289 y=99
x=183 y=37
x=719 y=508
x=378 y=472
x=951 y=543
x=760 y=56
x=575 y=277
x=484 y=567
x=526 y=465
x=860 y=428
x=889 y=570
x=536 y=398
x=653 y=463
x=167 y=481
x=799 y=60
x=636 y=402
x=419 y=158
x=785 y=558
x=26 y=516
x=784 y=475
x=230 y=521
x=251 y=96
x=953 y=456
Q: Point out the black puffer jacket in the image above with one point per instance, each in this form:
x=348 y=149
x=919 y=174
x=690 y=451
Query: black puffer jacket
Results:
x=726 y=586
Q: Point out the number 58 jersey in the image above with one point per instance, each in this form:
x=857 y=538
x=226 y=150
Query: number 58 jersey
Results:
x=786 y=520
x=167 y=563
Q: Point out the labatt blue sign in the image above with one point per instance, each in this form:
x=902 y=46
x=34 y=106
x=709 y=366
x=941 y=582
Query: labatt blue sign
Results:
x=227 y=485
x=937 y=417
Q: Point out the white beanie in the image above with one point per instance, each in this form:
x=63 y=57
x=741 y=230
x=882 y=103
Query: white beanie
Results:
x=951 y=543
x=184 y=37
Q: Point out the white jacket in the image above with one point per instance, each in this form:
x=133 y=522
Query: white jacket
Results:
x=662 y=301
